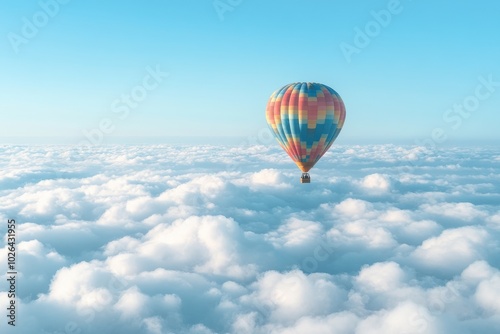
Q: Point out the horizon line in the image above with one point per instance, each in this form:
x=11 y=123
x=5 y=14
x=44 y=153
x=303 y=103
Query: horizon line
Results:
x=229 y=140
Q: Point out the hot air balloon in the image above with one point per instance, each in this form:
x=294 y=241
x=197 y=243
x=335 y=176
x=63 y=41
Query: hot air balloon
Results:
x=305 y=118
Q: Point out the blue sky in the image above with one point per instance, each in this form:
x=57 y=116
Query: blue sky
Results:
x=420 y=62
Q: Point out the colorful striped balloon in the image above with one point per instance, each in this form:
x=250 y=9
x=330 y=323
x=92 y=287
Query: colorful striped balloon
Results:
x=305 y=118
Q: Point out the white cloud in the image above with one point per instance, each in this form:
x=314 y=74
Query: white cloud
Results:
x=376 y=183
x=407 y=317
x=361 y=233
x=396 y=217
x=35 y=264
x=83 y=284
x=209 y=239
x=338 y=323
x=477 y=272
x=381 y=277
x=153 y=325
x=292 y=295
x=266 y=178
x=206 y=244
x=494 y=221
x=296 y=233
x=452 y=250
x=197 y=191
x=354 y=208
x=462 y=211
x=132 y=303
x=488 y=294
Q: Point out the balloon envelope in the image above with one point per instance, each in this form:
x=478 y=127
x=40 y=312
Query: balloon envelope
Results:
x=305 y=118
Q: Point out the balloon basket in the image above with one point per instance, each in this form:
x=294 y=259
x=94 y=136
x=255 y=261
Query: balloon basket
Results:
x=305 y=178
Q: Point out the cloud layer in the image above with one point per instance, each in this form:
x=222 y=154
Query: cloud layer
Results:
x=211 y=239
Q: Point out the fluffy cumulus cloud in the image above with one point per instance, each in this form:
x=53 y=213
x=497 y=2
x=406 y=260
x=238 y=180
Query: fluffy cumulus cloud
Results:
x=452 y=250
x=212 y=239
x=375 y=183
